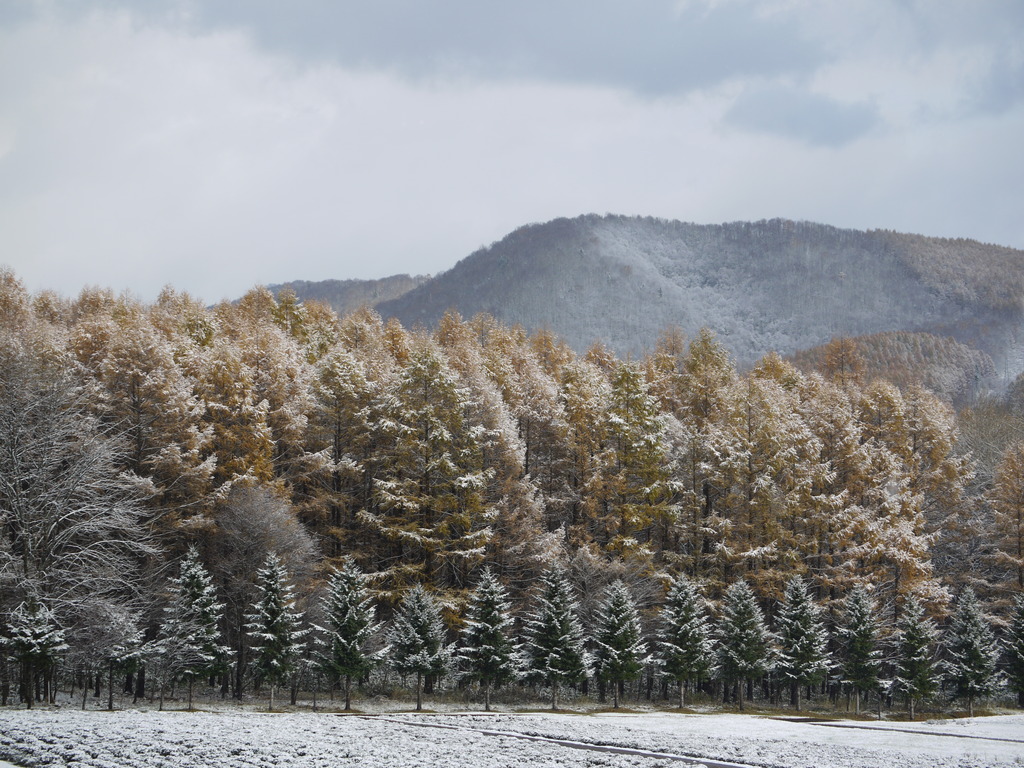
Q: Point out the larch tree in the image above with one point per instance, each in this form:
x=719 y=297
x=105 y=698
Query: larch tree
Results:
x=554 y=642
x=971 y=653
x=634 y=479
x=1007 y=499
x=432 y=501
x=744 y=643
x=274 y=626
x=685 y=643
x=488 y=651
x=620 y=650
x=861 y=652
x=347 y=640
x=417 y=640
x=802 y=657
x=915 y=671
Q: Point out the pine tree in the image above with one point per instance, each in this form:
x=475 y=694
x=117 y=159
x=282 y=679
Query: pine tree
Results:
x=915 y=671
x=862 y=658
x=744 y=650
x=189 y=644
x=1014 y=650
x=36 y=642
x=971 y=647
x=350 y=627
x=685 y=643
x=554 y=636
x=620 y=648
x=417 y=640
x=802 y=657
x=273 y=626
x=487 y=647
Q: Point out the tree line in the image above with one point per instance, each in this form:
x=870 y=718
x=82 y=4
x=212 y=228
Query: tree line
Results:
x=132 y=433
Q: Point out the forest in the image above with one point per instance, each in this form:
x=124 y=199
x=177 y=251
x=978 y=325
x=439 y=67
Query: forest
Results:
x=264 y=494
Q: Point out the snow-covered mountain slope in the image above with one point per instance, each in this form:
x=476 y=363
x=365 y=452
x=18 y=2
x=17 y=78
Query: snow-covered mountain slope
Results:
x=770 y=285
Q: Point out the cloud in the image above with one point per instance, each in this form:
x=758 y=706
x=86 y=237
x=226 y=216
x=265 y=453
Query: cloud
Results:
x=801 y=115
x=217 y=145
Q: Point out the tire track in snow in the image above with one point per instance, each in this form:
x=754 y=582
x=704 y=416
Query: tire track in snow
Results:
x=825 y=724
x=698 y=762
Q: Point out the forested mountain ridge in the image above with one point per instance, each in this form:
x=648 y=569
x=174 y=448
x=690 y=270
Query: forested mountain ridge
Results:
x=762 y=286
x=345 y=296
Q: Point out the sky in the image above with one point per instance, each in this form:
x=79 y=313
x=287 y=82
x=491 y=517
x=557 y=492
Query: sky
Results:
x=214 y=146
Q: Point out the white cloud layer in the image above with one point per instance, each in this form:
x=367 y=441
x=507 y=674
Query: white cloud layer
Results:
x=139 y=148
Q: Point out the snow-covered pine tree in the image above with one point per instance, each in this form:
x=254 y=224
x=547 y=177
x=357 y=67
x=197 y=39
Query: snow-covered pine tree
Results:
x=685 y=644
x=620 y=648
x=488 y=651
x=274 y=626
x=1013 y=646
x=915 y=676
x=35 y=641
x=858 y=633
x=349 y=613
x=554 y=636
x=744 y=643
x=417 y=640
x=189 y=643
x=970 y=669
x=802 y=657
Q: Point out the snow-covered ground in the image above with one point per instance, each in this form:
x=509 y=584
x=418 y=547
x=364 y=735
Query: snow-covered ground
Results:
x=138 y=739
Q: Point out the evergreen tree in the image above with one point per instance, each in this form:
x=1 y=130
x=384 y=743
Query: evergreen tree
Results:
x=417 y=640
x=744 y=650
x=273 y=626
x=862 y=658
x=487 y=648
x=685 y=643
x=189 y=644
x=802 y=657
x=971 y=647
x=1014 y=650
x=35 y=641
x=915 y=669
x=620 y=648
x=350 y=627
x=554 y=636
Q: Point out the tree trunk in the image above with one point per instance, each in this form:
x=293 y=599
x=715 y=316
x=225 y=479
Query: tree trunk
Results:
x=140 y=685
x=797 y=692
x=615 y=695
x=739 y=694
x=856 y=698
x=110 y=686
x=682 y=694
x=419 y=691
x=190 y=684
x=554 y=696
x=911 y=707
x=348 y=692
x=487 y=697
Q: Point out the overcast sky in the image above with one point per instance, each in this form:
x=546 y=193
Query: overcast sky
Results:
x=218 y=145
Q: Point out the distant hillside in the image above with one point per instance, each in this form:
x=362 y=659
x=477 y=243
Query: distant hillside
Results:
x=943 y=365
x=346 y=296
x=770 y=285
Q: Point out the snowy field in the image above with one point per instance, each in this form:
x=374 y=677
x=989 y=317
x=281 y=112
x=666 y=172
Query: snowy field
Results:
x=250 y=740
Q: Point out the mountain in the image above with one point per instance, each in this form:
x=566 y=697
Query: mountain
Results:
x=346 y=296
x=768 y=285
